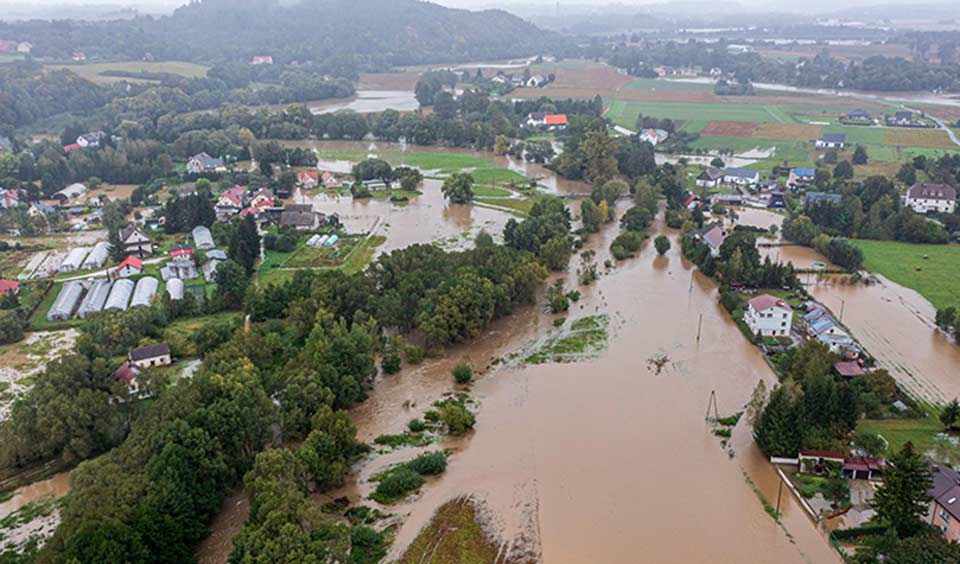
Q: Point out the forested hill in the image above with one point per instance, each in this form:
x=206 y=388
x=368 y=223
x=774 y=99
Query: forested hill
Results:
x=376 y=32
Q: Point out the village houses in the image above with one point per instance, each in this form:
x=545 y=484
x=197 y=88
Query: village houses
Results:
x=135 y=241
x=203 y=163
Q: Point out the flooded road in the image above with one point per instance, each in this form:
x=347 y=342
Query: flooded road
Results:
x=371 y=101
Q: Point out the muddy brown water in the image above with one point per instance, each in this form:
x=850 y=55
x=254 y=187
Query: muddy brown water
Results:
x=605 y=460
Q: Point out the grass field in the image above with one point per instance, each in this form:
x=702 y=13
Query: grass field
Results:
x=436 y=164
x=92 y=72
x=926 y=435
x=454 y=534
x=938 y=279
x=903 y=137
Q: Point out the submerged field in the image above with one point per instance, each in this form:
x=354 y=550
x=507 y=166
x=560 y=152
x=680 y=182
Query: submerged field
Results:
x=931 y=270
x=94 y=72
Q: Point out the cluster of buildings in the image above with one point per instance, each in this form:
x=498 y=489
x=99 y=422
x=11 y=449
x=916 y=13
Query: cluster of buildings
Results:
x=713 y=177
x=8 y=47
x=519 y=81
x=87 y=297
x=90 y=140
x=313 y=179
x=770 y=316
x=203 y=163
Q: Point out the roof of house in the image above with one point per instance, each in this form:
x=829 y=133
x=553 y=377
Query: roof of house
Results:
x=132 y=262
x=178 y=250
x=904 y=115
x=862 y=463
x=234 y=195
x=764 y=302
x=848 y=368
x=834 y=137
x=127 y=372
x=8 y=285
x=741 y=173
x=71 y=147
x=691 y=198
x=556 y=119
x=150 y=351
x=711 y=173
x=822 y=324
x=858 y=112
x=206 y=161
x=945 y=488
x=714 y=235
x=129 y=231
x=298 y=215
x=305 y=175
x=932 y=192
x=804 y=171
x=814 y=197
x=815 y=453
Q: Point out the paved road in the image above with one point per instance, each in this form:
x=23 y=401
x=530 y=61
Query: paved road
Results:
x=943 y=126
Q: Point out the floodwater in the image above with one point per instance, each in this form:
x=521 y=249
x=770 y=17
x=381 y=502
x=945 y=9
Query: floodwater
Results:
x=605 y=460
x=56 y=486
x=895 y=324
x=372 y=101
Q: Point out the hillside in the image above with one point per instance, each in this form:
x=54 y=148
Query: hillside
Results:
x=364 y=33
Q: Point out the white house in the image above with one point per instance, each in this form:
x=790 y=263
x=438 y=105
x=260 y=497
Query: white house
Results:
x=204 y=164
x=831 y=141
x=536 y=81
x=710 y=178
x=152 y=355
x=768 y=315
x=713 y=235
x=653 y=136
x=741 y=176
x=925 y=198
x=136 y=242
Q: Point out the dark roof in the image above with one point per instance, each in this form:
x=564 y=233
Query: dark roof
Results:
x=298 y=215
x=946 y=486
x=834 y=137
x=904 y=115
x=859 y=112
x=711 y=173
x=741 y=173
x=814 y=453
x=932 y=192
x=151 y=351
x=814 y=197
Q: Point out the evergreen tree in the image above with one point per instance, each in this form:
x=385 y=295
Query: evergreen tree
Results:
x=860 y=155
x=950 y=414
x=780 y=428
x=902 y=501
x=245 y=244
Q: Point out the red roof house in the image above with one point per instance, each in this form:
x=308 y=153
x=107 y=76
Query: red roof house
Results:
x=9 y=286
x=71 y=147
x=130 y=266
x=556 y=119
x=848 y=368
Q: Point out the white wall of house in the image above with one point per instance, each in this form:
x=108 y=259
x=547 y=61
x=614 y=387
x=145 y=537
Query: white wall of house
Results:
x=771 y=322
x=924 y=205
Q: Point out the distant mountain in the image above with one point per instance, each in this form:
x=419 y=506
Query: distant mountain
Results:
x=386 y=31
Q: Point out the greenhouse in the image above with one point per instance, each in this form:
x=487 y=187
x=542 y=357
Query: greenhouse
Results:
x=66 y=302
x=175 y=289
x=144 y=292
x=98 y=256
x=74 y=260
x=119 y=295
x=95 y=299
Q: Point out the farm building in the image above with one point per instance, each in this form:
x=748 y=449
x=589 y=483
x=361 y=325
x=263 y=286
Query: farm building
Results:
x=831 y=141
x=130 y=266
x=216 y=254
x=74 y=260
x=144 y=292
x=119 y=295
x=175 y=289
x=95 y=299
x=331 y=241
x=184 y=269
x=98 y=256
x=69 y=193
x=743 y=176
x=66 y=302
x=202 y=238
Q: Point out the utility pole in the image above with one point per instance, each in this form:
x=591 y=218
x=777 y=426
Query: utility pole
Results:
x=699 y=327
x=843 y=306
x=713 y=403
x=779 y=493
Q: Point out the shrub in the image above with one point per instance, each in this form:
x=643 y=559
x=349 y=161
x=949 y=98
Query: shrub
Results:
x=429 y=464
x=457 y=419
x=662 y=243
x=416 y=426
x=462 y=373
x=414 y=354
x=367 y=546
x=626 y=244
x=390 y=363
x=396 y=484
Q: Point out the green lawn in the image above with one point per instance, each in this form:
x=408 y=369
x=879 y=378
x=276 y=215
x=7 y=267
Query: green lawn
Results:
x=625 y=112
x=659 y=84
x=926 y=435
x=858 y=134
x=938 y=279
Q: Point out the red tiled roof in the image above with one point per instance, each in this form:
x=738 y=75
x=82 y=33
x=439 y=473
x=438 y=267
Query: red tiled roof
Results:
x=131 y=261
x=690 y=199
x=312 y=174
x=848 y=368
x=556 y=119
x=8 y=286
x=127 y=372
x=71 y=147
x=764 y=302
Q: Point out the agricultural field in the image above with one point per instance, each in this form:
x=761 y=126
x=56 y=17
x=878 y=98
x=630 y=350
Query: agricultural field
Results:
x=904 y=137
x=931 y=270
x=351 y=254
x=94 y=72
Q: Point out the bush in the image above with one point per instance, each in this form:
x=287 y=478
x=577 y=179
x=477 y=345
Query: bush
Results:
x=367 y=546
x=416 y=426
x=390 y=363
x=662 y=243
x=429 y=464
x=457 y=419
x=396 y=484
x=626 y=245
x=462 y=373
x=414 y=354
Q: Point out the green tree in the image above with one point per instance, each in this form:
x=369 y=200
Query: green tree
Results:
x=860 y=155
x=456 y=418
x=907 y=174
x=556 y=253
x=11 y=327
x=600 y=155
x=458 y=188
x=232 y=283
x=946 y=317
x=462 y=373
x=637 y=218
x=843 y=170
x=902 y=500
x=662 y=243
x=779 y=429
x=609 y=192
x=950 y=414
x=591 y=217
x=244 y=246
